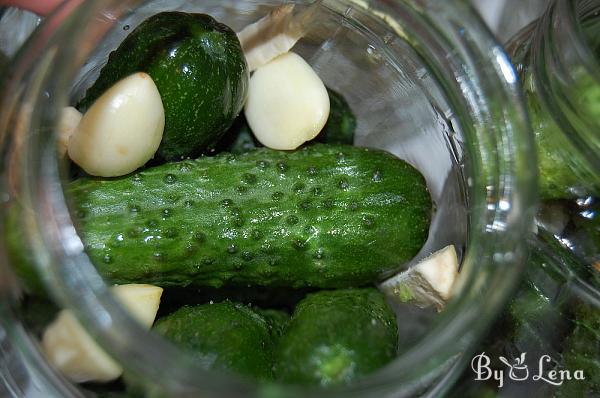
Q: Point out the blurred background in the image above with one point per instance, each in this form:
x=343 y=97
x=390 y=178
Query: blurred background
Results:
x=504 y=17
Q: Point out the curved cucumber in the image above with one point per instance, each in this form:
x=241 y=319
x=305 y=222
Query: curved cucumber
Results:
x=199 y=69
x=335 y=337
x=323 y=216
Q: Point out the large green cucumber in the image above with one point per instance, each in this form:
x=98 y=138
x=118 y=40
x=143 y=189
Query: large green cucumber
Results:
x=335 y=337
x=199 y=69
x=231 y=336
x=323 y=216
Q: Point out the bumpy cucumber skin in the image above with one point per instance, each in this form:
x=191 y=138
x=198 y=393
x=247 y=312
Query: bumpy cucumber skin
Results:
x=231 y=336
x=335 y=337
x=341 y=125
x=323 y=216
x=199 y=69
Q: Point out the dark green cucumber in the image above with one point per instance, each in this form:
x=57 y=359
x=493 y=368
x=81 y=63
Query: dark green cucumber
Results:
x=274 y=298
x=199 y=69
x=238 y=139
x=323 y=216
x=37 y=313
x=229 y=336
x=341 y=125
x=336 y=336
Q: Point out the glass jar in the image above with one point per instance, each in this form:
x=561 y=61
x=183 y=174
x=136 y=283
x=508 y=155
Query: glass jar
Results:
x=558 y=59
x=427 y=82
x=552 y=322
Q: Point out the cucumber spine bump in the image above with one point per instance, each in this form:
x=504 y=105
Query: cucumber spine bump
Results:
x=325 y=216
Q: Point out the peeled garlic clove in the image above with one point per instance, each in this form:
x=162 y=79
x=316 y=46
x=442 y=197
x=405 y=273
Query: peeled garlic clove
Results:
x=122 y=130
x=67 y=124
x=276 y=33
x=272 y=35
x=141 y=300
x=430 y=282
x=72 y=351
x=440 y=270
x=68 y=346
x=287 y=103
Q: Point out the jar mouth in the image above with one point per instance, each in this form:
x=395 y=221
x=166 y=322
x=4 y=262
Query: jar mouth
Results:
x=566 y=70
x=561 y=74
x=480 y=86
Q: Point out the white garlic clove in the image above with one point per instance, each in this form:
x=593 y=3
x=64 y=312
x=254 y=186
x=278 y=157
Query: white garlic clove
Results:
x=440 y=270
x=122 y=130
x=67 y=124
x=287 y=103
x=141 y=300
x=72 y=351
x=269 y=37
x=430 y=282
x=276 y=33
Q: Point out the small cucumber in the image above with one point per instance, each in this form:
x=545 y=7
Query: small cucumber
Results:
x=335 y=337
x=199 y=69
x=230 y=336
x=323 y=216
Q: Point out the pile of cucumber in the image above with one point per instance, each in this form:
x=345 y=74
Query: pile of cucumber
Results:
x=212 y=210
